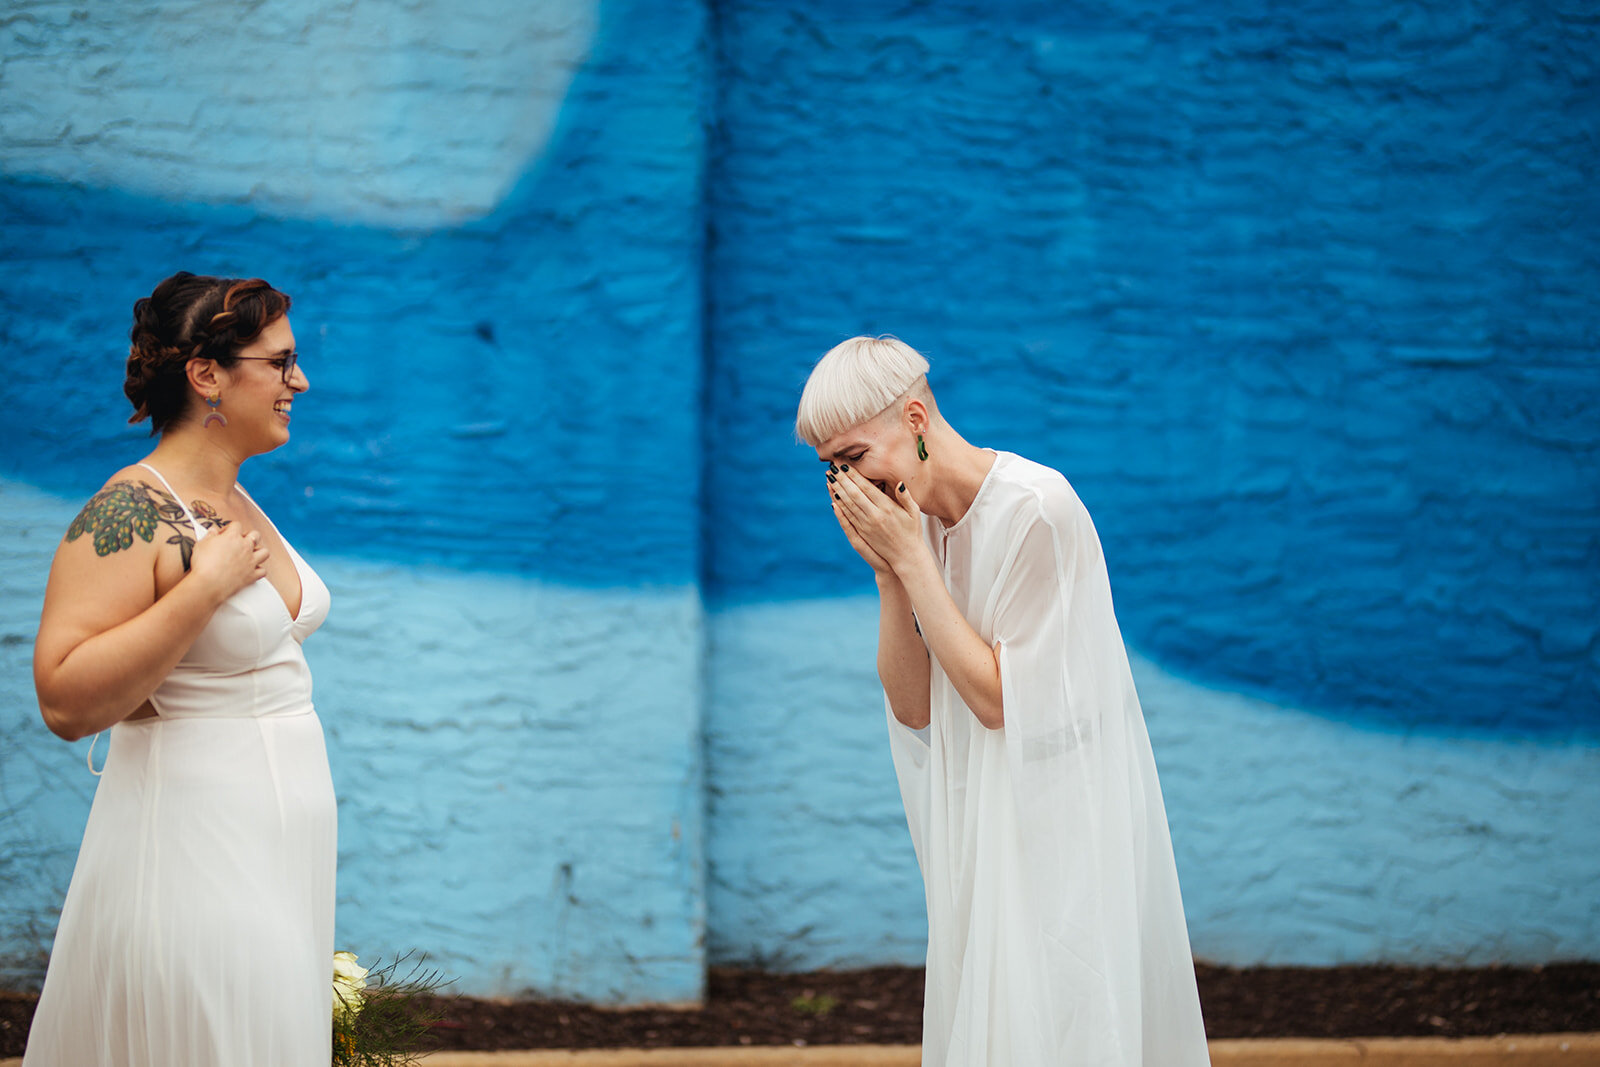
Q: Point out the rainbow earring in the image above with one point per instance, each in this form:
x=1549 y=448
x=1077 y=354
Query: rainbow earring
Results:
x=922 y=449
x=214 y=401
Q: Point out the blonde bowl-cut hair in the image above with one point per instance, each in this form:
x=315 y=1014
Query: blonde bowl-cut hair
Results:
x=855 y=382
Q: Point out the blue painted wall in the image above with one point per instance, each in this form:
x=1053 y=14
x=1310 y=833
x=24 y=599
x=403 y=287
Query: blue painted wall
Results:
x=1301 y=301
x=496 y=468
x=483 y=383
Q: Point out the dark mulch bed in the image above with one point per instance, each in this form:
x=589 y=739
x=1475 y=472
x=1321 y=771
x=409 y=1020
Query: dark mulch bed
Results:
x=884 y=1006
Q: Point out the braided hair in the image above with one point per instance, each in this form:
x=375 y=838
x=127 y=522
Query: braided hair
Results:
x=191 y=316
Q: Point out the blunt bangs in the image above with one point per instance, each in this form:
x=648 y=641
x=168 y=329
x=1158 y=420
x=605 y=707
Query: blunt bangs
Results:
x=855 y=381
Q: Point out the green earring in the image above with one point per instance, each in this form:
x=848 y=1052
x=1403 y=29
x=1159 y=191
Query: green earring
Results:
x=922 y=449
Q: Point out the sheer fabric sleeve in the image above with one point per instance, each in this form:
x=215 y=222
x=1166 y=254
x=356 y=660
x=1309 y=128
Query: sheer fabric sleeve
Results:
x=1103 y=892
x=909 y=748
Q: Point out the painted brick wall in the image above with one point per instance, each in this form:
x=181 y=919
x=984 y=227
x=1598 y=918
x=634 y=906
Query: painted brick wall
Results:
x=495 y=469
x=1301 y=301
x=1299 y=839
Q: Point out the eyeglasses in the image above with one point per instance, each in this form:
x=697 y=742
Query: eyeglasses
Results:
x=286 y=362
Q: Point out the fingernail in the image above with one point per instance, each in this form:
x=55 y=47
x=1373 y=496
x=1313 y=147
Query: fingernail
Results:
x=845 y=467
x=831 y=478
x=832 y=466
x=902 y=487
x=836 y=496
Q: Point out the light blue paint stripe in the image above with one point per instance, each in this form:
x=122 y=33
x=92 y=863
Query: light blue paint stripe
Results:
x=1299 y=840
x=518 y=767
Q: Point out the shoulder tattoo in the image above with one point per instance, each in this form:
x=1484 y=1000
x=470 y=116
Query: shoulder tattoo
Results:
x=125 y=510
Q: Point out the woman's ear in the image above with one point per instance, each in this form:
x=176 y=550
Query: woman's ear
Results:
x=915 y=414
x=204 y=376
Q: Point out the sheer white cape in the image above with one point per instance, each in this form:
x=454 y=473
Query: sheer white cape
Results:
x=1056 y=933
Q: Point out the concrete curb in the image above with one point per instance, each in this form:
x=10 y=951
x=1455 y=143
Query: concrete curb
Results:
x=1536 y=1050
x=1539 y=1050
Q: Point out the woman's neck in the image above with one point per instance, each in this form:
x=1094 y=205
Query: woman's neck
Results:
x=204 y=465
x=958 y=473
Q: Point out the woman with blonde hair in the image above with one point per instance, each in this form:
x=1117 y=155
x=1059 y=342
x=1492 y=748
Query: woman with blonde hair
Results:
x=1056 y=932
x=198 y=928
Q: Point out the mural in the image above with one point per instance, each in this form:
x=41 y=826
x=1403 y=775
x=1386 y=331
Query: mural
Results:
x=229 y=123
x=496 y=468
x=1301 y=303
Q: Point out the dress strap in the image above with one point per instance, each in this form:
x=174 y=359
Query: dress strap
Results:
x=263 y=511
x=264 y=515
x=92 y=741
x=199 y=532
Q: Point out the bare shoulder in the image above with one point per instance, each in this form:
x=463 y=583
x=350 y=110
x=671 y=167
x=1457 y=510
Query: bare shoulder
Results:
x=128 y=512
x=109 y=564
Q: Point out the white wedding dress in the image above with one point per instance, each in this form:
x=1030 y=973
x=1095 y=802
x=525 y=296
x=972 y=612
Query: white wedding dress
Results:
x=198 y=928
x=1056 y=933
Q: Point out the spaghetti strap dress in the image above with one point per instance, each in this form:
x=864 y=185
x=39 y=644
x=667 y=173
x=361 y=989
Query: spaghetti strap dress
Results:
x=198 y=927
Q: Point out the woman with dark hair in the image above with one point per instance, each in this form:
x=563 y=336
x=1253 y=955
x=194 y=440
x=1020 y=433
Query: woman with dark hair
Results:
x=198 y=928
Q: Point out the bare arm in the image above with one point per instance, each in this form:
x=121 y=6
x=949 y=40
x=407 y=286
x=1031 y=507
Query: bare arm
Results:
x=891 y=527
x=105 y=640
x=970 y=664
x=903 y=665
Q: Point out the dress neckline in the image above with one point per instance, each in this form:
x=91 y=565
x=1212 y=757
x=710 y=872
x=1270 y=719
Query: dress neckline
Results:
x=200 y=532
x=294 y=559
x=983 y=487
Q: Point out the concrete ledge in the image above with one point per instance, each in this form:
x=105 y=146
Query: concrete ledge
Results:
x=1512 y=1051
x=1540 y=1050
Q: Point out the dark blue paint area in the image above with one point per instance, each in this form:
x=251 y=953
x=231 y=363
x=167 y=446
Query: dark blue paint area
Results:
x=520 y=393
x=1302 y=300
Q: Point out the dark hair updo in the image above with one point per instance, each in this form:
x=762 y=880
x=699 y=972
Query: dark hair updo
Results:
x=191 y=316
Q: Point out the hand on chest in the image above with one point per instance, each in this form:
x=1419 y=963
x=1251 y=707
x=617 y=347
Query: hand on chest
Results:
x=182 y=532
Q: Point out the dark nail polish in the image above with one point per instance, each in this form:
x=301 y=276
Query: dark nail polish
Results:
x=902 y=487
x=831 y=478
x=845 y=467
x=836 y=496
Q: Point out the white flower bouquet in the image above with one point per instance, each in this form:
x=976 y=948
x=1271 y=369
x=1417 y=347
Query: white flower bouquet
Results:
x=349 y=980
x=379 y=1019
